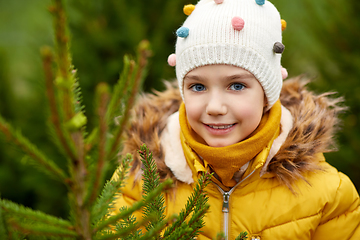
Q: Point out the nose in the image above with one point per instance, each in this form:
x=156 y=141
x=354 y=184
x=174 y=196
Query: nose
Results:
x=216 y=105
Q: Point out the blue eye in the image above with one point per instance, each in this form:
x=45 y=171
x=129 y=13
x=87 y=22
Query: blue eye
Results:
x=197 y=87
x=237 y=86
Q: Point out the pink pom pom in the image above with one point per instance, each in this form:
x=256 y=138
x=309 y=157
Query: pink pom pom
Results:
x=172 y=60
x=284 y=73
x=219 y=1
x=238 y=23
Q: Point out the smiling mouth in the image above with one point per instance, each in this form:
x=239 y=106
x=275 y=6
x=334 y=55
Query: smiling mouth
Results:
x=221 y=126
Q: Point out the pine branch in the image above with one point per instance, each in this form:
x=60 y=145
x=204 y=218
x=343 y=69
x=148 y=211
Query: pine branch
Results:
x=118 y=99
x=79 y=174
x=126 y=100
x=157 y=228
x=40 y=160
x=135 y=207
x=28 y=221
x=120 y=89
x=78 y=103
x=20 y=212
x=100 y=169
x=196 y=202
x=137 y=73
x=144 y=52
x=126 y=223
x=3 y=229
x=220 y=236
x=105 y=201
x=41 y=229
x=242 y=236
x=129 y=228
x=64 y=80
x=151 y=180
x=125 y=232
x=195 y=223
x=91 y=140
x=62 y=137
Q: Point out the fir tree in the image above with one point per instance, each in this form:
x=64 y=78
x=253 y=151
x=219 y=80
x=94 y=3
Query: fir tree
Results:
x=89 y=156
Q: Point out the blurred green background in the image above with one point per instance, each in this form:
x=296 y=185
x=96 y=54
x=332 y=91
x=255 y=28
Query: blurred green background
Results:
x=322 y=42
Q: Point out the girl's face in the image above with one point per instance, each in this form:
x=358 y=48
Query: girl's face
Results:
x=224 y=104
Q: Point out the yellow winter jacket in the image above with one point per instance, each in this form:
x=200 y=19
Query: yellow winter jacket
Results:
x=290 y=193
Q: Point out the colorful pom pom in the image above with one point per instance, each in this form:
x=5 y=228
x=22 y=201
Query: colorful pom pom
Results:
x=188 y=9
x=219 y=1
x=278 y=47
x=238 y=23
x=283 y=24
x=284 y=73
x=182 y=32
x=172 y=60
x=260 y=2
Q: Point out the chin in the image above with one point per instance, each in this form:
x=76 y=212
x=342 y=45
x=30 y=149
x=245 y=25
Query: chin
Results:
x=218 y=144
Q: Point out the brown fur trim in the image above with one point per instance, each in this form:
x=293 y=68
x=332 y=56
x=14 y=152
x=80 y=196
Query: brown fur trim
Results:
x=315 y=122
x=149 y=118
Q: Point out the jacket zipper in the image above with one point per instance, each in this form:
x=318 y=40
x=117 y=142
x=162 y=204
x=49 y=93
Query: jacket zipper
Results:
x=226 y=202
x=225 y=210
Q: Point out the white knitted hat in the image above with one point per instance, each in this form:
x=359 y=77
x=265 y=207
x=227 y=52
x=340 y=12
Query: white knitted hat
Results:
x=243 y=33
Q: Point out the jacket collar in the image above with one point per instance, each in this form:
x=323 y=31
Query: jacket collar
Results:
x=315 y=121
x=186 y=171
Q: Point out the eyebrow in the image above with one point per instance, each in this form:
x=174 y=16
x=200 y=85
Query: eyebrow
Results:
x=229 y=78
x=241 y=76
x=193 y=77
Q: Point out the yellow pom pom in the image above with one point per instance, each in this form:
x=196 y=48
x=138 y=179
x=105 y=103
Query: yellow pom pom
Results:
x=283 y=24
x=188 y=9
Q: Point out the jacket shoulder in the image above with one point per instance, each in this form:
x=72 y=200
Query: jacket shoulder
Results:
x=335 y=188
x=315 y=122
x=341 y=205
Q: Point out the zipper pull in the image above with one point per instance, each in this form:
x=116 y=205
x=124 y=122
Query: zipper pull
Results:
x=225 y=207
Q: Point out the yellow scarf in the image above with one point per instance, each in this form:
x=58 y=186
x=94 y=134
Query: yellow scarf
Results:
x=226 y=161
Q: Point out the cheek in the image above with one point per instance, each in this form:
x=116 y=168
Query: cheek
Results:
x=250 y=113
x=193 y=106
x=193 y=112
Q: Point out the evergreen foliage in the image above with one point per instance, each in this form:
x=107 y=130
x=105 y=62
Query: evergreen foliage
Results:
x=321 y=42
x=89 y=156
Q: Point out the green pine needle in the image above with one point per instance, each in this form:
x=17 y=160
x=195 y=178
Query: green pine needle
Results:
x=22 y=213
x=135 y=207
x=78 y=101
x=38 y=158
x=129 y=223
x=105 y=201
x=196 y=204
x=115 y=106
x=151 y=181
x=242 y=236
x=3 y=230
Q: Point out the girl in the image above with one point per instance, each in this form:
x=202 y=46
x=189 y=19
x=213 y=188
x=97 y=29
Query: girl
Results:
x=233 y=116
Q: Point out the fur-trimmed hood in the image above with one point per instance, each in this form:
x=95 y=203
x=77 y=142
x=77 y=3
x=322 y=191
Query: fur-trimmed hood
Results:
x=315 y=120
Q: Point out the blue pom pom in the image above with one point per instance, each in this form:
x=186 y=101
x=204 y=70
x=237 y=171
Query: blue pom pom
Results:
x=182 y=32
x=260 y=2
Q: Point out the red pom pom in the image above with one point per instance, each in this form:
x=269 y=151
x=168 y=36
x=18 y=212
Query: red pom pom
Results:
x=238 y=23
x=172 y=60
x=219 y=1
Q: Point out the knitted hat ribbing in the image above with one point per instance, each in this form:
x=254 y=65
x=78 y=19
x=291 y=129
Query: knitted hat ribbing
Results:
x=243 y=33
